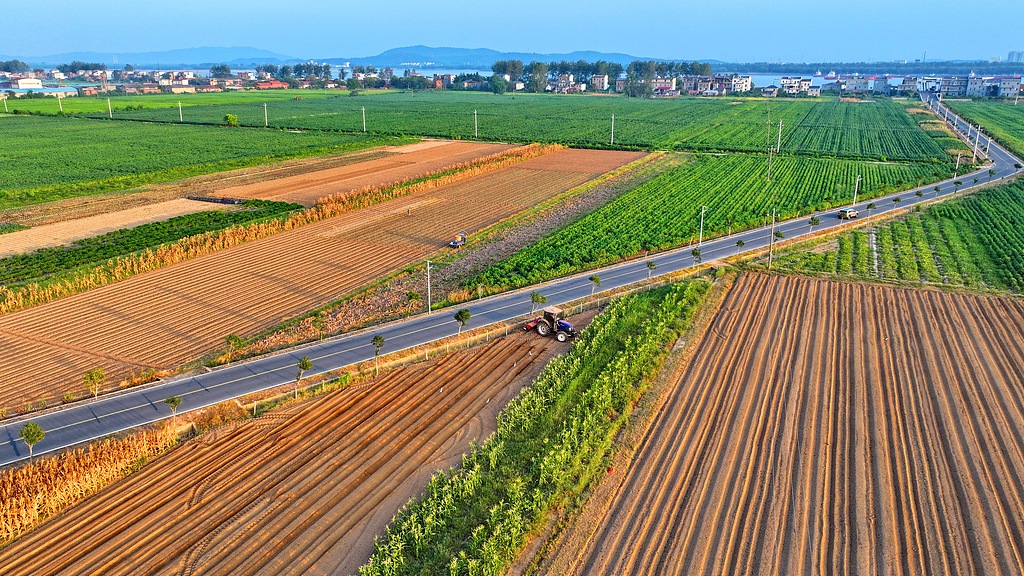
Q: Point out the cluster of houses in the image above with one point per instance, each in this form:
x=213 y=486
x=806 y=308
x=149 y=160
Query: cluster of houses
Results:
x=188 y=82
x=96 y=82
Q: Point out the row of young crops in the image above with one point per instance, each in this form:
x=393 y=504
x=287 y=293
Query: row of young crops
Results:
x=33 y=267
x=53 y=158
x=1003 y=120
x=551 y=444
x=876 y=130
x=665 y=211
x=974 y=241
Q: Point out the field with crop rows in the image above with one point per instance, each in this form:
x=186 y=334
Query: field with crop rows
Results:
x=45 y=262
x=165 y=317
x=833 y=428
x=67 y=231
x=877 y=130
x=1003 y=120
x=52 y=158
x=974 y=241
x=551 y=444
x=665 y=211
x=97 y=104
x=299 y=491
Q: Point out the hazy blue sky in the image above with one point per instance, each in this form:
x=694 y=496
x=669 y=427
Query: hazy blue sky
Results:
x=735 y=30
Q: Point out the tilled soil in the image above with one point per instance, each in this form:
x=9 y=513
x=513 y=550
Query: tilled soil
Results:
x=302 y=491
x=835 y=428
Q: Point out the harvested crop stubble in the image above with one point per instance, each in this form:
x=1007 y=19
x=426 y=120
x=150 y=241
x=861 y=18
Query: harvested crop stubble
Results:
x=303 y=491
x=833 y=428
x=169 y=316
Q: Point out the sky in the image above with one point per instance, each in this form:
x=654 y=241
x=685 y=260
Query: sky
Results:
x=729 y=30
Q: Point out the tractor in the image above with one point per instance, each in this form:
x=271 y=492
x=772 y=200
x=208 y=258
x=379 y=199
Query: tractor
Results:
x=551 y=321
x=459 y=240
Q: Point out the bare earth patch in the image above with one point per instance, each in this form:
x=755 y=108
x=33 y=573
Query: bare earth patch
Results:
x=60 y=233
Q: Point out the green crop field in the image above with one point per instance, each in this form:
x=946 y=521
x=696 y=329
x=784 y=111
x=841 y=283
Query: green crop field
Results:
x=879 y=130
x=98 y=104
x=974 y=241
x=47 y=264
x=52 y=158
x=665 y=211
x=1003 y=120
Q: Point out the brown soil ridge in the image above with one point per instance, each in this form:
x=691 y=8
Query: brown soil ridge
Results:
x=829 y=427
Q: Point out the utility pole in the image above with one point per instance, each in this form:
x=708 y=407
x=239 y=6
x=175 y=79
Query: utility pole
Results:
x=364 y=123
x=856 y=188
x=110 y=111
x=428 y=287
x=612 y=143
x=476 y=131
x=769 y=164
x=977 y=136
x=5 y=105
x=700 y=238
x=180 y=117
x=778 y=146
x=60 y=103
x=771 y=241
x=266 y=122
x=957 y=169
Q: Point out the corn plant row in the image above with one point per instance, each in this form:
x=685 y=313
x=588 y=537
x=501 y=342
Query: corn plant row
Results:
x=974 y=241
x=665 y=211
x=550 y=445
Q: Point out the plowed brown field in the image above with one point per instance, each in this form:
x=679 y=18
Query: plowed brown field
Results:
x=163 y=318
x=829 y=428
x=300 y=492
x=410 y=162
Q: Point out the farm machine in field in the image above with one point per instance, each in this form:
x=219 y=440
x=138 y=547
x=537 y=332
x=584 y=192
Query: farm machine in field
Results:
x=459 y=241
x=552 y=322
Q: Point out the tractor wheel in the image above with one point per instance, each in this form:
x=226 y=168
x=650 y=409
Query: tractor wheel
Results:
x=561 y=336
x=543 y=329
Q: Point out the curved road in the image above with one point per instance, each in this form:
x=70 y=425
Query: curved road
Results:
x=111 y=414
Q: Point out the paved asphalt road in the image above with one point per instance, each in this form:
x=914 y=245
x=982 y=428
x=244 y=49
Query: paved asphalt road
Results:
x=108 y=415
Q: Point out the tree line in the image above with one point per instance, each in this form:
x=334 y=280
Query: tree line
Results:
x=536 y=75
x=77 y=65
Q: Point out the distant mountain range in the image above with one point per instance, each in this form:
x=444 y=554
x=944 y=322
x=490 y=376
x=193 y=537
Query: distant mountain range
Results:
x=482 y=58
x=424 y=57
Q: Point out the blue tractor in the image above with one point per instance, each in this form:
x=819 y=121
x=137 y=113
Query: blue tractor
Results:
x=552 y=322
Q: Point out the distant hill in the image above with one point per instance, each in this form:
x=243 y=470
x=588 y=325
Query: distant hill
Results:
x=480 y=58
x=235 y=56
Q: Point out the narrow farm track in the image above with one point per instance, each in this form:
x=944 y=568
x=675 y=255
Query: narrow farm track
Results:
x=163 y=318
x=298 y=492
x=836 y=428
